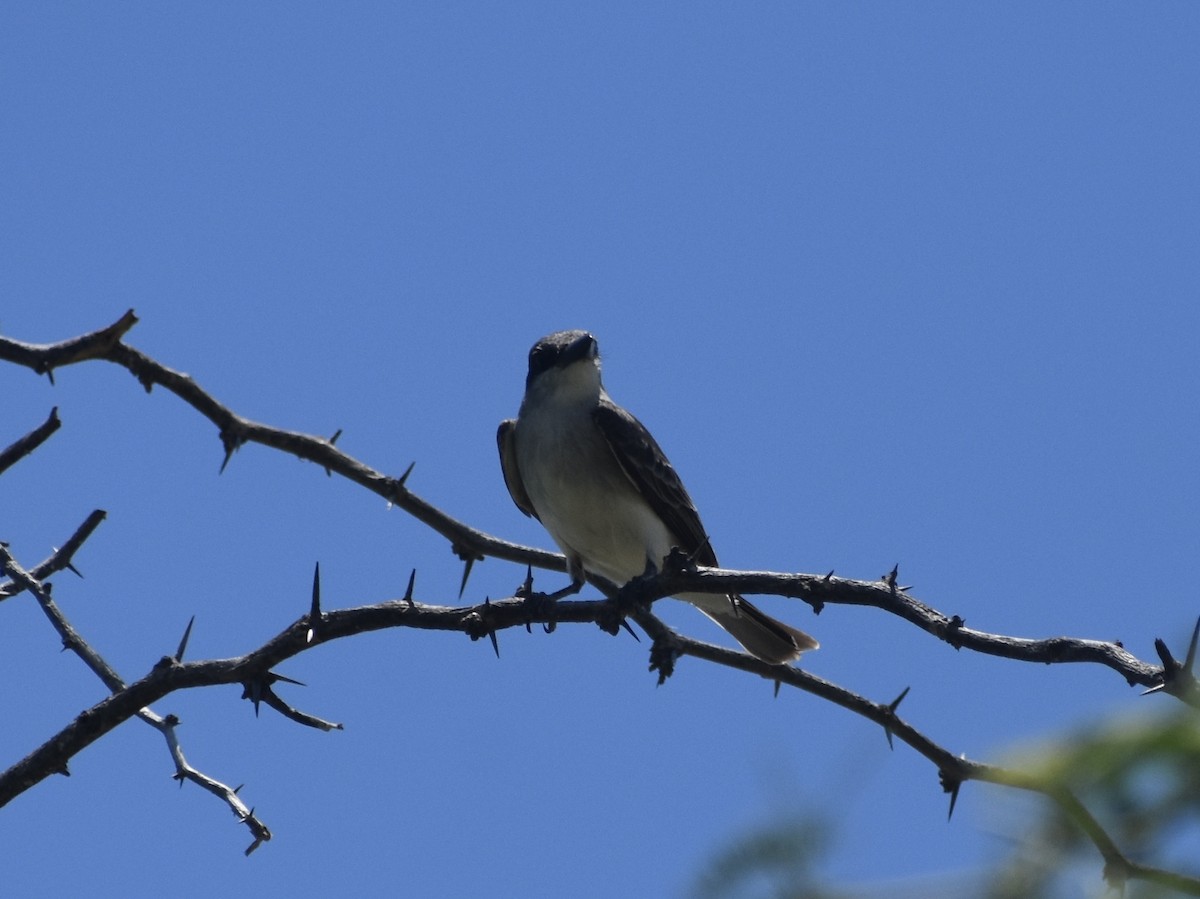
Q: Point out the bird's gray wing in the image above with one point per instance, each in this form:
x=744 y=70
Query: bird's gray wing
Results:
x=645 y=464
x=506 y=437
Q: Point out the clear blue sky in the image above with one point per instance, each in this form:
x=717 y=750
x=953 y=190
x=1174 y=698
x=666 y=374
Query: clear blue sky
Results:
x=911 y=283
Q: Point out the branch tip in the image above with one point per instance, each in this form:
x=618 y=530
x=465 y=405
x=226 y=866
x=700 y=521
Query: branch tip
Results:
x=24 y=446
x=1177 y=678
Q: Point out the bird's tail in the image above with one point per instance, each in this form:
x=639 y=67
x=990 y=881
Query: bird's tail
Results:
x=762 y=636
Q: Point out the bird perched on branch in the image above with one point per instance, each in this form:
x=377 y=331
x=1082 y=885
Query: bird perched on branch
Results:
x=597 y=480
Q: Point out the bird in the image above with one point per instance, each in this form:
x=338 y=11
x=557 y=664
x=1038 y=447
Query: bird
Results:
x=599 y=483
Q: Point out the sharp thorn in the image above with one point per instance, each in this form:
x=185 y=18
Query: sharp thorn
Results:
x=625 y=624
x=953 y=800
x=895 y=704
x=314 y=613
x=777 y=686
x=408 y=593
x=69 y=566
x=462 y=588
x=407 y=472
x=187 y=632
x=487 y=604
x=334 y=439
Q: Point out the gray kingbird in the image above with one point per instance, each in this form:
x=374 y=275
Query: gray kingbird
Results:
x=599 y=483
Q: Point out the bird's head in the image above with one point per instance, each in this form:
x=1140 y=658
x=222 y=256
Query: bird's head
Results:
x=565 y=364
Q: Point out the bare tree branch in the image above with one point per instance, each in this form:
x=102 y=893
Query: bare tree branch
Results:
x=820 y=589
x=44 y=358
x=60 y=559
x=953 y=770
x=254 y=669
x=31 y=441
x=165 y=725
x=471 y=544
x=235 y=431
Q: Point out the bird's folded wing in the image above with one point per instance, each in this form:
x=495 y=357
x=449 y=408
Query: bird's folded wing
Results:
x=506 y=441
x=645 y=464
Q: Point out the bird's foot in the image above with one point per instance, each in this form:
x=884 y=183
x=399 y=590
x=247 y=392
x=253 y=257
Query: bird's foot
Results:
x=663 y=654
x=541 y=606
x=620 y=605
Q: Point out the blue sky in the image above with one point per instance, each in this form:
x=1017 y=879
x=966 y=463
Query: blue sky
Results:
x=909 y=283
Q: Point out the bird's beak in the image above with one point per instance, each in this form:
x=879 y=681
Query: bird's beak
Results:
x=582 y=348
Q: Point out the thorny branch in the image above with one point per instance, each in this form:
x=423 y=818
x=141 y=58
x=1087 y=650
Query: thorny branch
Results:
x=163 y=724
x=253 y=670
x=471 y=544
x=60 y=559
x=30 y=441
